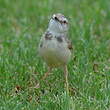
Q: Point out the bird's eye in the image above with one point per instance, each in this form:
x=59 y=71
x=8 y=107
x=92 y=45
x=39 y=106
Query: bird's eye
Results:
x=56 y=18
x=64 y=22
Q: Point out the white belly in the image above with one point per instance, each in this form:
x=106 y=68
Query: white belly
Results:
x=55 y=53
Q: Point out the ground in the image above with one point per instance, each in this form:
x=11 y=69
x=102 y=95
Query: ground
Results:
x=22 y=23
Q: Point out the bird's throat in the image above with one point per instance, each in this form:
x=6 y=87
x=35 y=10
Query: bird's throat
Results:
x=56 y=33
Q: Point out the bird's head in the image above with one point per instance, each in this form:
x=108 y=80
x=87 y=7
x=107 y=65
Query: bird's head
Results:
x=58 y=23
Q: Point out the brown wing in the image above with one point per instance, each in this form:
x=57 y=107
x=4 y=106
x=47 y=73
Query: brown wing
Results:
x=69 y=43
x=48 y=35
x=70 y=46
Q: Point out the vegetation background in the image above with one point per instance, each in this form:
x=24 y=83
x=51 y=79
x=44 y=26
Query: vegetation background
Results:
x=22 y=23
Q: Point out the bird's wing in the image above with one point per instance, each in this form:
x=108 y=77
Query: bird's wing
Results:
x=69 y=43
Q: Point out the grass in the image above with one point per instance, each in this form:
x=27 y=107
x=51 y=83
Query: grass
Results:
x=22 y=22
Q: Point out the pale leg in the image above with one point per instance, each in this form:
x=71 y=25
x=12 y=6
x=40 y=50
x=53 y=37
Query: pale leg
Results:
x=66 y=78
x=44 y=77
x=46 y=74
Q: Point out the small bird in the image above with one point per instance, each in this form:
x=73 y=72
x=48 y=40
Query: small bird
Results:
x=54 y=47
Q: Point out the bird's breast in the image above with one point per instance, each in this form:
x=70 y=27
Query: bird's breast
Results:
x=54 y=51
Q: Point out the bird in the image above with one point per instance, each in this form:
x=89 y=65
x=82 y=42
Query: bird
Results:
x=55 y=46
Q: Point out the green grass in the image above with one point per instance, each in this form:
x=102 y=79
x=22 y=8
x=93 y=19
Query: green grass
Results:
x=22 y=23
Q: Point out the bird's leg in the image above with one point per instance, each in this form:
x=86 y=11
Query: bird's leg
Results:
x=46 y=74
x=44 y=77
x=66 y=78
